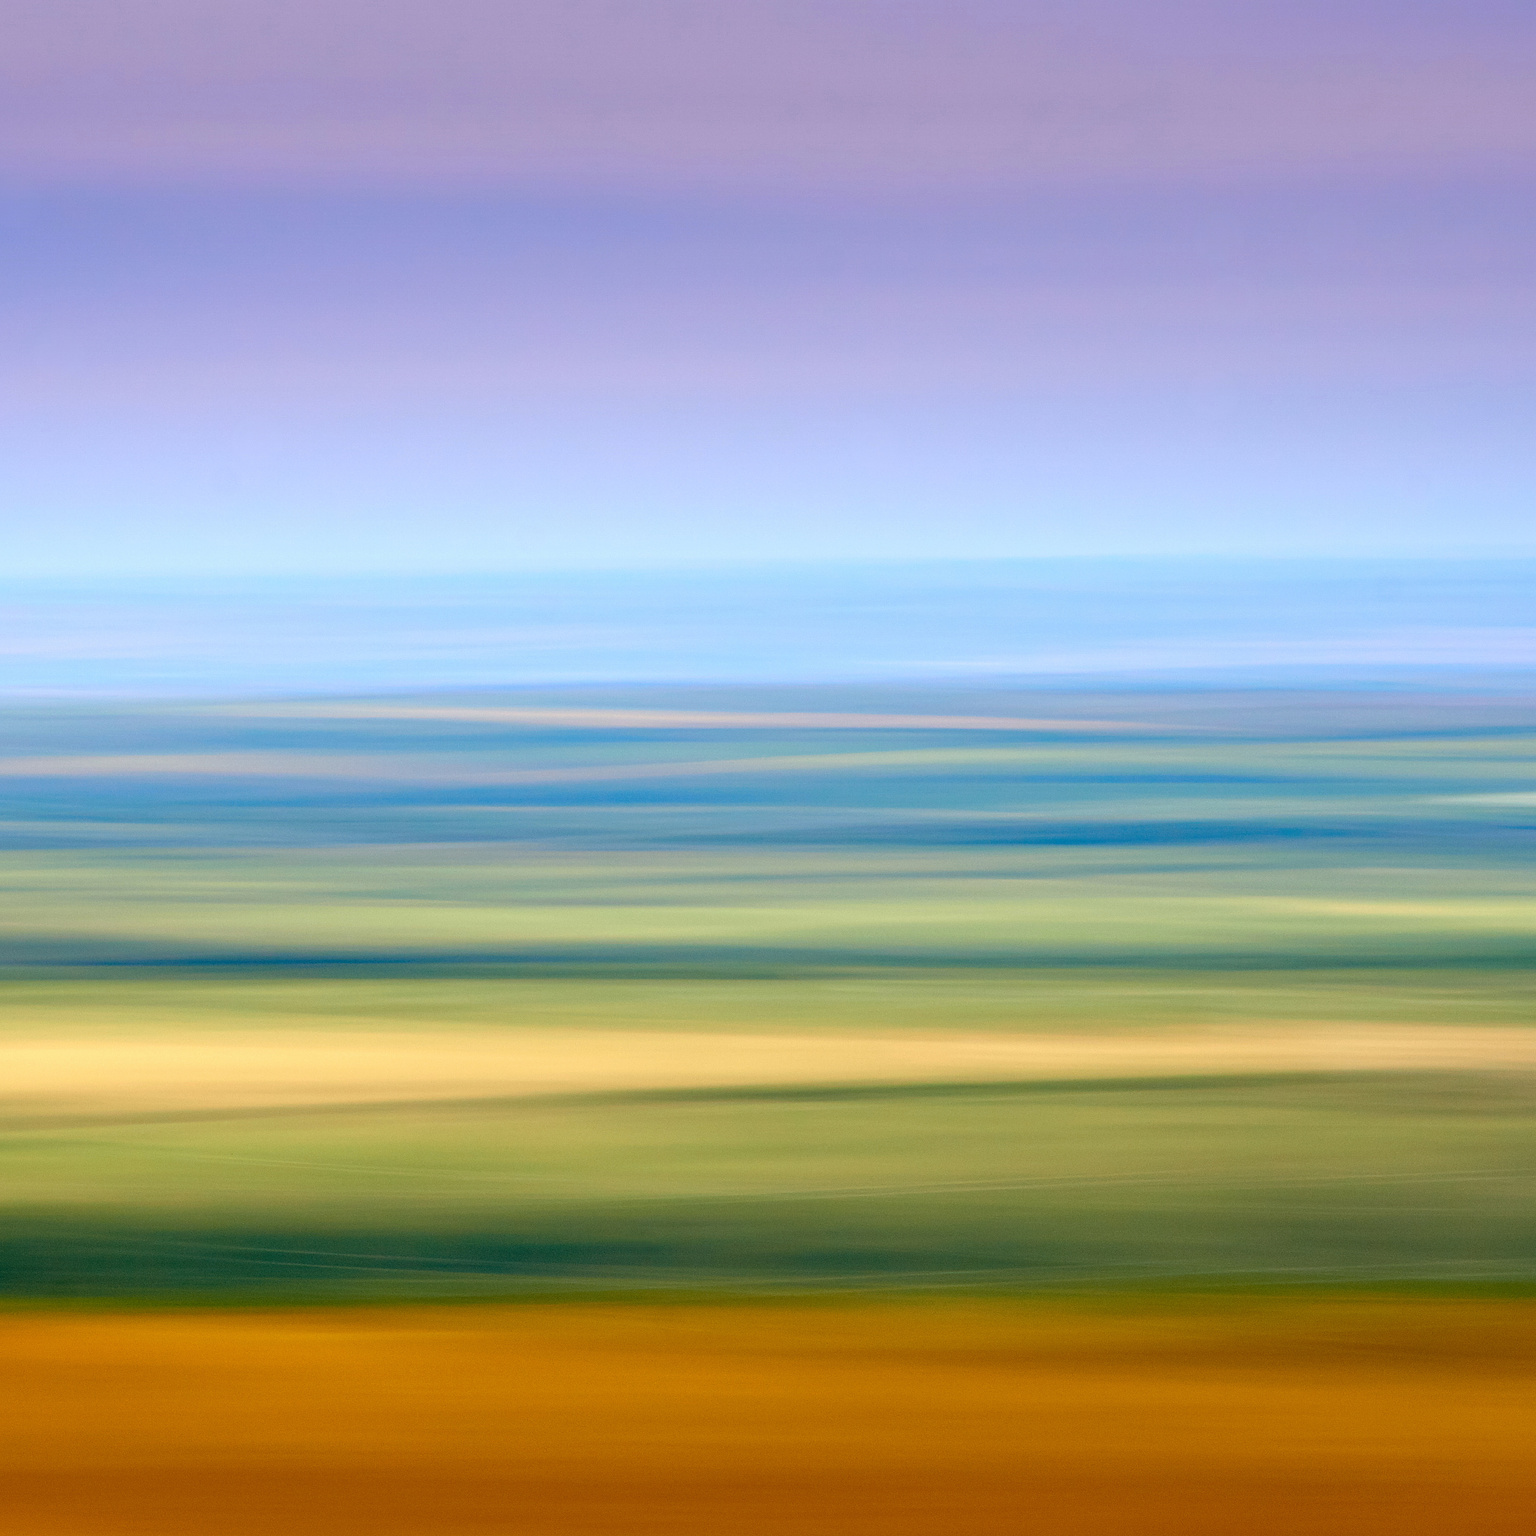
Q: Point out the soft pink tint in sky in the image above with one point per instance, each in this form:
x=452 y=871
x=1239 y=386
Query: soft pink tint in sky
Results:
x=874 y=96
x=502 y=284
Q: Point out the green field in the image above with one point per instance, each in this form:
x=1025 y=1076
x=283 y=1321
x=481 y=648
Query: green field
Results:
x=191 y=874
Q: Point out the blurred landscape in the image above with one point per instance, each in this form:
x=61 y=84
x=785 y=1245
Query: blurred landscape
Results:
x=767 y=768
x=803 y=985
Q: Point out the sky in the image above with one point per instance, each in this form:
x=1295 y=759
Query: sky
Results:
x=538 y=285
x=1443 y=625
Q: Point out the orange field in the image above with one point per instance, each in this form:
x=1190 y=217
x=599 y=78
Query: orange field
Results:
x=1342 y=1414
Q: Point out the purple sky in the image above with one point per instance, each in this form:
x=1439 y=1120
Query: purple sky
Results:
x=387 y=286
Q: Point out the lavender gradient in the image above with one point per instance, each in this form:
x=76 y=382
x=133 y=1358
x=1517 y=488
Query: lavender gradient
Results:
x=394 y=288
